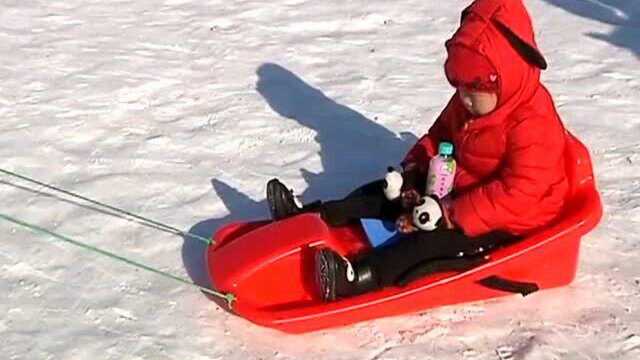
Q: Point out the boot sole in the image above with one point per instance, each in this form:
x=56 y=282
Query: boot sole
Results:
x=271 y=198
x=325 y=274
x=277 y=199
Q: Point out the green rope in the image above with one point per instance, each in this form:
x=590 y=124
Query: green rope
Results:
x=112 y=208
x=230 y=298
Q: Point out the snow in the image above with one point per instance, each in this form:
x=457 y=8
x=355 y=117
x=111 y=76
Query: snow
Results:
x=181 y=111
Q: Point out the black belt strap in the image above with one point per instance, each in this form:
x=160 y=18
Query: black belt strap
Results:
x=502 y=284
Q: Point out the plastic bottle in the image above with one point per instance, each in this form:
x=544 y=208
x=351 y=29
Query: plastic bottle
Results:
x=442 y=170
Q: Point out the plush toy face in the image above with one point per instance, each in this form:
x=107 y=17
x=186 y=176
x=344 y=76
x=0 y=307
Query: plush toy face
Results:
x=427 y=214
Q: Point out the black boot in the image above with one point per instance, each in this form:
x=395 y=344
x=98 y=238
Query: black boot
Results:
x=336 y=277
x=281 y=201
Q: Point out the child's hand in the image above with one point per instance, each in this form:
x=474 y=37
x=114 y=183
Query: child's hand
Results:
x=445 y=203
x=409 y=198
x=404 y=224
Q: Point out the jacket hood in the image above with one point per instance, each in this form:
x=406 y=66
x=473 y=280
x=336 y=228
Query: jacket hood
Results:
x=502 y=32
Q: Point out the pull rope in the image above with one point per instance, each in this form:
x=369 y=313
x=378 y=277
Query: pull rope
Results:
x=160 y=225
x=229 y=297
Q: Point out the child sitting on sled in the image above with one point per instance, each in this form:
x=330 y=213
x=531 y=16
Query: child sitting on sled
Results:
x=509 y=143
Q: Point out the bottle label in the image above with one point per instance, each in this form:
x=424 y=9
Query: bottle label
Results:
x=441 y=175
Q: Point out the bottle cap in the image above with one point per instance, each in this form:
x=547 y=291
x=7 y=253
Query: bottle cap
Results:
x=445 y=148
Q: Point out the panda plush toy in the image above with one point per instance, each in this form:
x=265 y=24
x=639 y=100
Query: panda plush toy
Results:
x=427 y=214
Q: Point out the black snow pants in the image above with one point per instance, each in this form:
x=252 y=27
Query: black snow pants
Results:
x=417 y=252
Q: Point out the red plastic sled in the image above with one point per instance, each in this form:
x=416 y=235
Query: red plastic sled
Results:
x=269 y=265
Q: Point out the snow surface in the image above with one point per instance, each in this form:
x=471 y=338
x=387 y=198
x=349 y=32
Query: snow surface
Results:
x=181 y=110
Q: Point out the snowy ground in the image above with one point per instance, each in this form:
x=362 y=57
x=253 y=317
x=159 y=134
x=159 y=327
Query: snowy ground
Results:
x=181 y=110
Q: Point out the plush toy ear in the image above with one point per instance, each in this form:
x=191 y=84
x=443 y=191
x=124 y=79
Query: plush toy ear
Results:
x=529 y=52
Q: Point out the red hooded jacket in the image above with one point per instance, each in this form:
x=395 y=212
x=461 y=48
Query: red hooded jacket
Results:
x=511 y=173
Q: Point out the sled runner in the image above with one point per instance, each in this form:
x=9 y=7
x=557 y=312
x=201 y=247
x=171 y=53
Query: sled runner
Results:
x=268 y=265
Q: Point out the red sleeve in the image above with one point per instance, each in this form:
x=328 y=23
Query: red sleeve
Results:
x=530 y=169
x=427 y=146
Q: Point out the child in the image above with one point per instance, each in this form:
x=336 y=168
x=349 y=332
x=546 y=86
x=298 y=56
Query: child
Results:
x=509 y=143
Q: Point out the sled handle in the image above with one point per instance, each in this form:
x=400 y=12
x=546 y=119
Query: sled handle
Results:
x=502 y=284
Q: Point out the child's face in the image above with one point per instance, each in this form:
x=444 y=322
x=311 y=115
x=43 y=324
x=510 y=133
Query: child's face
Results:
x=477 y=102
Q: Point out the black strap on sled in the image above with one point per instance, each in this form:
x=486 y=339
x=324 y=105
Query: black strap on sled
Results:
x=502 y=284
x=464 y=264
